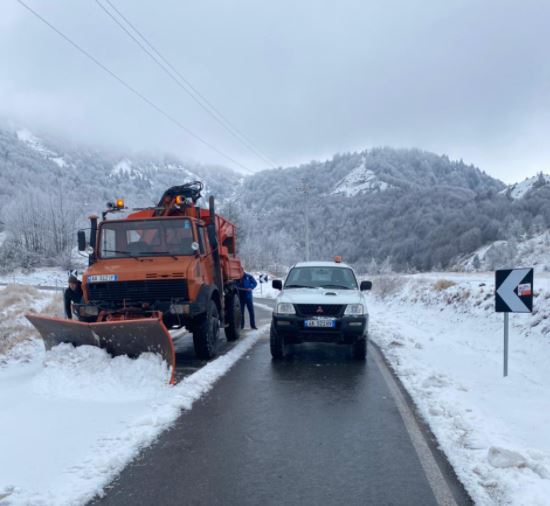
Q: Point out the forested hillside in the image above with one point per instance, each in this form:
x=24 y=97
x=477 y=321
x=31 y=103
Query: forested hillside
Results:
x=381 y=209
x=384 y=208
x=47 y=190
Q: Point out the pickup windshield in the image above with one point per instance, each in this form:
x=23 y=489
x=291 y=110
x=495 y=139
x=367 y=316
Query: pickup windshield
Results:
x=339 y=278
x=146 y=238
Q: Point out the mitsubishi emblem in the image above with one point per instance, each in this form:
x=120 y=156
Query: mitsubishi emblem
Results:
x=319 y=310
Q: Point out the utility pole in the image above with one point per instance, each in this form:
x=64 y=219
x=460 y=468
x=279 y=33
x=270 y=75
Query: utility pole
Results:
x=305 y=189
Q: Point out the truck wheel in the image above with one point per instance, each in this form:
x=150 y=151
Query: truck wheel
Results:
x=206 y=333
x=276 y=344
x=360 y=349
x=233 y=320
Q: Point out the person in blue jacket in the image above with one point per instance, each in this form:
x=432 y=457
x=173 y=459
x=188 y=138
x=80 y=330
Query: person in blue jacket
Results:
x=246 y=286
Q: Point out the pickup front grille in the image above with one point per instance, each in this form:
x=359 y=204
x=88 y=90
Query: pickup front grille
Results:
x=320 y=309
x=132 y=292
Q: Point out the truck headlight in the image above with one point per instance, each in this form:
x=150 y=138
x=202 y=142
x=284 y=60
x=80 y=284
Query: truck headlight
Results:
x=88 y=310
x=354 y=310
x=285 y=308
x=179 y=308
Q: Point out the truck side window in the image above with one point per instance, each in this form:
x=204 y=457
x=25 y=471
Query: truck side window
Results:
x=229 y=243
x=202 y=243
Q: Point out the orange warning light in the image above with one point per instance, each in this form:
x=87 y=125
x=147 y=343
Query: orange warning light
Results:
x=179 y=200
x=120 y=203
x=338 y=259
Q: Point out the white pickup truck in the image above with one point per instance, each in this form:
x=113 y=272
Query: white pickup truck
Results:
x=320 y=302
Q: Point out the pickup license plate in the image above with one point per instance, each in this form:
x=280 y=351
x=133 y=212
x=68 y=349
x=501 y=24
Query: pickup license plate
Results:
x=326 y=323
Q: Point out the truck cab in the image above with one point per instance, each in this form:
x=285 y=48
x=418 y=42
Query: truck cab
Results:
x=320 y=302
x=176 y=261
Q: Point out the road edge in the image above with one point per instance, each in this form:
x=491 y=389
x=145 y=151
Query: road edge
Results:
x=431 y=457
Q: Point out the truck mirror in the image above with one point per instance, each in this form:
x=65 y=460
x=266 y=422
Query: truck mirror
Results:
x=81 y=236
x=277 y=284
x=366 y=285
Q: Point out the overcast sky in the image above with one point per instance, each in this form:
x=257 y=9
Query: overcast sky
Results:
x=303 y=79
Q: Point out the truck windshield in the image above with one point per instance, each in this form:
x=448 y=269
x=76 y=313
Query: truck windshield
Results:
x=163 y=237
x=321 y=277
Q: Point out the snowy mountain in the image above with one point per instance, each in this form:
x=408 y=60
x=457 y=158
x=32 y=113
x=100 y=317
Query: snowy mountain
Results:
x=404 y=208
x=519 y=190
x=529 y=252
x=48 y=187
x=360 y=180
x=140 y=178
x=36 y=144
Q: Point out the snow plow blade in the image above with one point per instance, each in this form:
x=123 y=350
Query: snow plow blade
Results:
x=126 y=337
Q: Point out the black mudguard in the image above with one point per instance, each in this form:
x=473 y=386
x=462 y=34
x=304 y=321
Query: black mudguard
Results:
x=206 y=293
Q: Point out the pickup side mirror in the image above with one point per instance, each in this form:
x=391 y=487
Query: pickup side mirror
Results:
x=81 y=236
x=277 y=284
x=366 y=285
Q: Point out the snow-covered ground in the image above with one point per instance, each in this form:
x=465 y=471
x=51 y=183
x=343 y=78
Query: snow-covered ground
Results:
x=72 y=418
x=15 y=301
x=531 y=252
x=83 y=415
x=360 y=179
x=440 y=334
x=519 y=190
x=265 y=290
x=53 y=277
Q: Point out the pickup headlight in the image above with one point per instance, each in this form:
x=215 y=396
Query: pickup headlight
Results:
x=354 y=310
x=285 y=308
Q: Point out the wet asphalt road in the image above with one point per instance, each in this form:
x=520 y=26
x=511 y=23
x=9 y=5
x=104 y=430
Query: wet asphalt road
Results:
x=316 y=429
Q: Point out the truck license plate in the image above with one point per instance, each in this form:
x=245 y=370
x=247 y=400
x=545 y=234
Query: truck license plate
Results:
x=101 y=278
x=323 y=323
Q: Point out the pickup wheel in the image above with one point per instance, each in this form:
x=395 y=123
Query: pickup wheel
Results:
x=276 y=344
x=206 y=333
x=233 y=320
x=359 y=349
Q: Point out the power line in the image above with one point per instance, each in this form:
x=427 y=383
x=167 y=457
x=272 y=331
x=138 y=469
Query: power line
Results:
x=195 y=93
x=182 y=81
x=131 y=88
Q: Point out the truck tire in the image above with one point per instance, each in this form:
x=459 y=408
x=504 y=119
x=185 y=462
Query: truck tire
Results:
x=276 y=344
x=233 y=319
x=206 y=333
x=359 y=349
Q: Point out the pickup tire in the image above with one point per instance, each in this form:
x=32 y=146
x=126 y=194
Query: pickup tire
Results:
x=276 y=344
x=206 y=333
x=359 y=349
x=233 y=317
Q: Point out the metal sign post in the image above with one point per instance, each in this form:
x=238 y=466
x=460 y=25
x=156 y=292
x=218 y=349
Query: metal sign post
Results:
x=506 y=328
x=263 y=278
x=513 y=294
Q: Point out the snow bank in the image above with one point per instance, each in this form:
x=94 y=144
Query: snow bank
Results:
x=444 y=341
x=72 y=418
x=52 y=277
x=15 y=301
x=533 y=252
x=265 y=290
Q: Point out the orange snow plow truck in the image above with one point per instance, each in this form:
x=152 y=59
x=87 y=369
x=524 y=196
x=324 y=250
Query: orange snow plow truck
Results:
x=159 y=268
